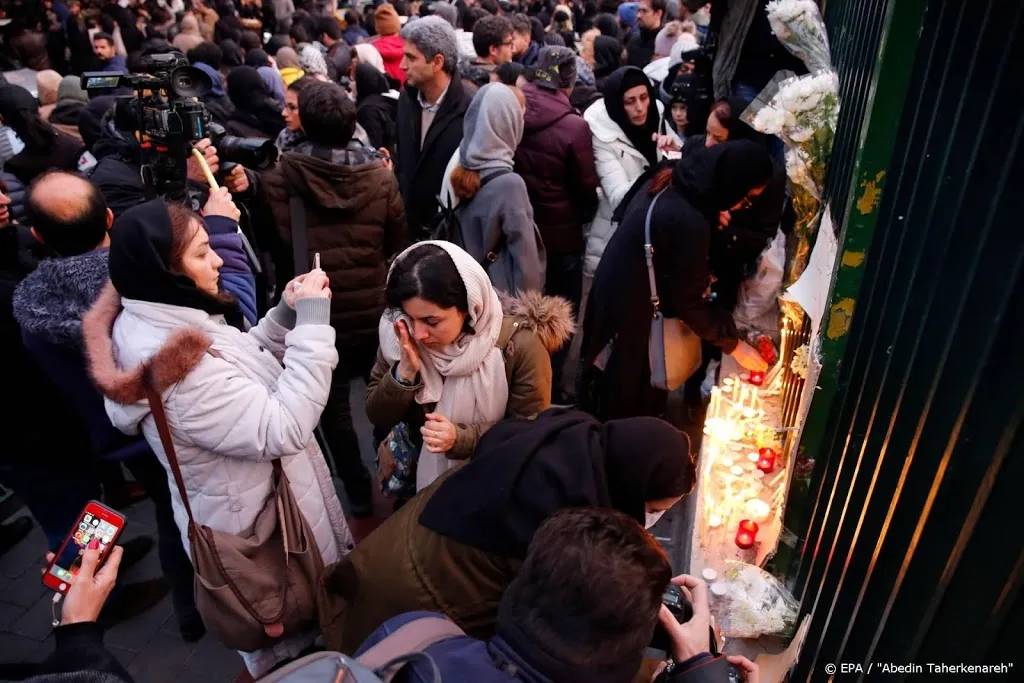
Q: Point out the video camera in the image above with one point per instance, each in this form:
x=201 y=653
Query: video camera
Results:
x=168 y=118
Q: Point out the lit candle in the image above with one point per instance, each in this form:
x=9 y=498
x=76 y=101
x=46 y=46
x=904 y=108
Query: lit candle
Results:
x=745 y=377
x=746 y=534
x=714 y=521
x=757 y=378
x=736 y=470
x=753 y=457
x=767 y=453
x=766 y=465
x=735 y=390
x=758 y=510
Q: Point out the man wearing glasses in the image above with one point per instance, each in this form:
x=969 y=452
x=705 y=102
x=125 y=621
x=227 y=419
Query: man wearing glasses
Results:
x=493 y=42
x=649 y=16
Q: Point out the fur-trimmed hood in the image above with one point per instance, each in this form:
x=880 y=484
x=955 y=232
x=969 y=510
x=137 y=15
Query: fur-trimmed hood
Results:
x=51 y=301
x=549 y=317
x=179 y=354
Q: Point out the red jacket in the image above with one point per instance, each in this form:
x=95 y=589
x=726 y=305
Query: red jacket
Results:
x=390 y=49
x=556 y=159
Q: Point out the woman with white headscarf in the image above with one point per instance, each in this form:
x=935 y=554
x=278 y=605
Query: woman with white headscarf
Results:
x=494 y=213
x=451 y=363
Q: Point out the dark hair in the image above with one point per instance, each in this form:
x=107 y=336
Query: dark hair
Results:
x=299 y=84
x=329 y=26
x=474 y=15
x=103 y=35
x=659 y=6
x=509 y=72
x=250 y=40
x=352 y=18
x=185 y=223
x=68 y=233
x=207 y=53
x=298 y=33
x=276 y=42
x=554 y=39
x=520 y=23
x=490 y=6
x=490 y=32
x=427 y=272
x=589 y=589
x=327 y=114
x=401 y=7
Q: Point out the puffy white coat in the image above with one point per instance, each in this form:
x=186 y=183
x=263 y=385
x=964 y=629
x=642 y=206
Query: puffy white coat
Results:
x=232 y=408
x=619 y=164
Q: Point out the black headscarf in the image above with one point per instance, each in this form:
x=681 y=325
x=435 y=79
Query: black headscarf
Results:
x=607 y=56
x=253 y=104
x=370 y=81
x=642 y=137
x=717 y=178
x=256 y=58
x=523 y=471
x=232 y=54
x=608 y=25
x=20 y=111
x=90 y=119
x=140 y=252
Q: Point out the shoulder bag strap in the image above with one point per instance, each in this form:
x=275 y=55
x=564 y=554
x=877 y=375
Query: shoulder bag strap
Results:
x=156 y=406
x=415 y=636
x=496 y=239
x=300 y=241
x=649 y=252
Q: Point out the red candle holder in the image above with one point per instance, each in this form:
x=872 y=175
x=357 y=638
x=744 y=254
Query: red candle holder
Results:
x=747 y=534
x=756 y=378
x=768 y=456
x=766 y=465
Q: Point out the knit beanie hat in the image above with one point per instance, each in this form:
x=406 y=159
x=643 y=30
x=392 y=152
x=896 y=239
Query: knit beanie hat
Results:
x=556 y=68
x=386 y=21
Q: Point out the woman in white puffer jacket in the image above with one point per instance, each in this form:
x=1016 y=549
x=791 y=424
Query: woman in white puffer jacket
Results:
x=235 y=401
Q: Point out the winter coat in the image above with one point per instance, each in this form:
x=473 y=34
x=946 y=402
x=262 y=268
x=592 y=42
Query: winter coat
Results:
x=354 y=219
x=391 y=49
x=556 y=159
x=535 y=326
x=378 y=115
x=421 y=167
x=619 y=164
x=355 y=34
x=234 y=402
x=64 y=155
x=640 y=49
x=499 y=216
x=17 y=193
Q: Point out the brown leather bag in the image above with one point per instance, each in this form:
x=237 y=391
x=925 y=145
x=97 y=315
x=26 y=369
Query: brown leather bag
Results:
x=260 y=585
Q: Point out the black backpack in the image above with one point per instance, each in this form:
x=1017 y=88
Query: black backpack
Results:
x=448 y=228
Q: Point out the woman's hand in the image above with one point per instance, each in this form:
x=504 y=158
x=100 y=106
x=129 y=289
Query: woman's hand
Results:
x=289 y=291
x=409 y=364
x=221 y=204
x=751 y=674
x=747 y=356
x=667 y=143
x=438 y=433
x=314 y=284
x=90 y=588
x=385 y=158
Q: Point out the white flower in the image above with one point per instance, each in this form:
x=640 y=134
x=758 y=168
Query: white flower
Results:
x=801 y=135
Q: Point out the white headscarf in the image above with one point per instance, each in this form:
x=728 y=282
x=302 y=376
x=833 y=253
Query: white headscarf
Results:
x=368 y=54
x=467 y=378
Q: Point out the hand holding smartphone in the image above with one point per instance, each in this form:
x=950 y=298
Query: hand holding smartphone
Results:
x=97 y=523
x=316 y=261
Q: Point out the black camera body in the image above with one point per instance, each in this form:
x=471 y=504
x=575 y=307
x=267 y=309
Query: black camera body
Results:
x=682 y=610
x=168 y=118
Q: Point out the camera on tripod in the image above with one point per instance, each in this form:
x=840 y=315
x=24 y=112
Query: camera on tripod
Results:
x=168 y=118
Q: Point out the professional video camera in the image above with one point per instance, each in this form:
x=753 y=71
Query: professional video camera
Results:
x=168 y=118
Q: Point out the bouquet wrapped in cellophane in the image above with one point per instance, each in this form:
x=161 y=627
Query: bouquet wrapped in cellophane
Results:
x=802 y=111
x=799 y=27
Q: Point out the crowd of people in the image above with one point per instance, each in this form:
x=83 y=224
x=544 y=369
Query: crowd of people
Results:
x=471 y=209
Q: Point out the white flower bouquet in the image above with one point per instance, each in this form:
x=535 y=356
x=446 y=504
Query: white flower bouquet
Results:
x=802 y=111
x=798 y=25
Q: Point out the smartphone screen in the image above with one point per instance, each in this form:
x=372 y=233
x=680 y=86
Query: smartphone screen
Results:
x=96 y=521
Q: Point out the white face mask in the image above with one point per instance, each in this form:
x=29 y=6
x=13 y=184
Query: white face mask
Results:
x=651 y=518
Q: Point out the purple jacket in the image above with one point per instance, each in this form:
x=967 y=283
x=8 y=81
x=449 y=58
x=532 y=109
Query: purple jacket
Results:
x=556 y=159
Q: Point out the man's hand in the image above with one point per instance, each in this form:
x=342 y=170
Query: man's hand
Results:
x=221 y=204
x=237 y=181
x=210 y=154
x=751 y=674
x=90 y=588
x=693 y=637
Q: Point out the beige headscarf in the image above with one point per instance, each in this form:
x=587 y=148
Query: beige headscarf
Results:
x=466 y=379
x=190 y=36
x=368 y=54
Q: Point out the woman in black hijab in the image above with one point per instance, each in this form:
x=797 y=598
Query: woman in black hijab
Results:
x=232 y=56
x=639 y=121
x=456 y=545
x=45 y=147
x=693 y=196
x=256 y=114
x=607 y=58
x=375 y=112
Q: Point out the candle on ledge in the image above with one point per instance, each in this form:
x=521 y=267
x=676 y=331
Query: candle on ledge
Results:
x=766 y=461
x=757 y=378
x=746 y=534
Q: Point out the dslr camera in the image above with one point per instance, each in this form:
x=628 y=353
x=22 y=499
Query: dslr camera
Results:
x=676 y=602
x=168 y=118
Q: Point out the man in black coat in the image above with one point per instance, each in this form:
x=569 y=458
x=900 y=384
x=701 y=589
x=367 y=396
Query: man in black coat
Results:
x=430 y=113
x=649 y=16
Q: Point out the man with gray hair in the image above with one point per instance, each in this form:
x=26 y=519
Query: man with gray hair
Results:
x=430 y=113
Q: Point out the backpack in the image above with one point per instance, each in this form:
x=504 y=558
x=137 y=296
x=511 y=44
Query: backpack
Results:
x=449 y=229
x=379 y=664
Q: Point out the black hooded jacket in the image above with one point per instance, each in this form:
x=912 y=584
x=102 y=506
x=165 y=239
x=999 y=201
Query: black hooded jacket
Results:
x=703 y=183
x=376 y=112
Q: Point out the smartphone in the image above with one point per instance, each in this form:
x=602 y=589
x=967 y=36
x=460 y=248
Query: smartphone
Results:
x=96 y=521
x=316 y=261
